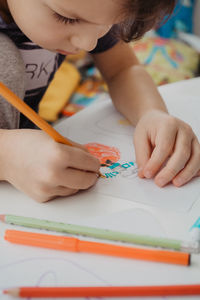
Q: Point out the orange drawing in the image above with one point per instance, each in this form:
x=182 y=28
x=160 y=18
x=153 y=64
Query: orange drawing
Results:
x=106 y=154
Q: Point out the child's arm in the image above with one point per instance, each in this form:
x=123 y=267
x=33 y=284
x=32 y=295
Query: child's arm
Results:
x=29 y=159
x=131 y=88
x=158 y=135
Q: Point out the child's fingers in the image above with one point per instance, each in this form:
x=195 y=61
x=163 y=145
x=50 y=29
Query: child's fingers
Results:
x=62 y=191
x=76 y=179
x=142 y=150
x=192 y=168
x=77 y=145
x=78 y=159
x=177 y=161
x=82 y=147
x=163 y=149
x=53 y=193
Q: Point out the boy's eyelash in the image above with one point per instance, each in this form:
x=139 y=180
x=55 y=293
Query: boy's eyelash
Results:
x=65 y=20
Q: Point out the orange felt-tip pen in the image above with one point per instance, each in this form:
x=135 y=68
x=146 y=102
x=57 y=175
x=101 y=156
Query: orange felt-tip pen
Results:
x=105 y=291
x=75 y=245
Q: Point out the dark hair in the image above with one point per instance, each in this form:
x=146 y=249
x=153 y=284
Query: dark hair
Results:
x=143 y=15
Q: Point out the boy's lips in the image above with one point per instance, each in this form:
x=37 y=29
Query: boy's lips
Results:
x=64 y=52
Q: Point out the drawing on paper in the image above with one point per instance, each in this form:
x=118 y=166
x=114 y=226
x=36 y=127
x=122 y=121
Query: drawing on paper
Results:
x=125 y=170
x=109 y=158
x=106 y=154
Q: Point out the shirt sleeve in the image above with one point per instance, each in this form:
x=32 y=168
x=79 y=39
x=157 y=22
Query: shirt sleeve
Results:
x=109 y=40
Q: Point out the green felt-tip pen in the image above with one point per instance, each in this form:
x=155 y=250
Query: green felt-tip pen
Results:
x=106 y=234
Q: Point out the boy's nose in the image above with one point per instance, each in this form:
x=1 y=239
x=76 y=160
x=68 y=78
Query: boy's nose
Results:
x=84 y=42
x=88 y=41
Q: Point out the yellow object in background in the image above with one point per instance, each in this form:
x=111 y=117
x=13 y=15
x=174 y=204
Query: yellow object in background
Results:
x=59 y=91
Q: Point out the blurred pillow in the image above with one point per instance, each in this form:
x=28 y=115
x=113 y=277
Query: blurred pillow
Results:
x=166 y=60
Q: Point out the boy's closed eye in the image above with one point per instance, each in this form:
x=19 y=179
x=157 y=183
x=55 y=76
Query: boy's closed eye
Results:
x=65 y=20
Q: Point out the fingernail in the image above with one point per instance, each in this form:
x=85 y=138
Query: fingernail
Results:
x=140 y=172
x=161 y=181
x=148 y=174
x=179 y=181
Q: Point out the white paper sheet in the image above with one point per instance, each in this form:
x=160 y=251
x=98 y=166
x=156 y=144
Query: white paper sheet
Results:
x=102 y=124
x=20 y=265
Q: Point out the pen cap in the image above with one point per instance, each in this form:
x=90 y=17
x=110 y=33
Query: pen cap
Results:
x=41 y=240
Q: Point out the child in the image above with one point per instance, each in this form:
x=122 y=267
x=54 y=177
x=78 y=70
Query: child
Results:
x=30 y=160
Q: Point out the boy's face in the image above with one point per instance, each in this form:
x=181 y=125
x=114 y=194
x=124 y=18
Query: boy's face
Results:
x=65 y=25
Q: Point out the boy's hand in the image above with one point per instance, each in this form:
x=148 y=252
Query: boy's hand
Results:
x=166 y=148
x=42 y=168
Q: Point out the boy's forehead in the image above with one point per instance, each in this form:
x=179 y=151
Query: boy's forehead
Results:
x=94 y=11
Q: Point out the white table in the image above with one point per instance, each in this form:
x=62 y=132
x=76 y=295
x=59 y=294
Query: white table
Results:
x=41 y=266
